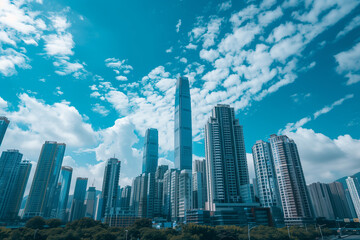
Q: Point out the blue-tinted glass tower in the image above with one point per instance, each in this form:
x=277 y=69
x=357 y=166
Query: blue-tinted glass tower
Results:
x=4 y=123
x=150 y=158
x=78 y=204
x=9 y=165
x=64 y=181
x=183 y=130
x=43 y=189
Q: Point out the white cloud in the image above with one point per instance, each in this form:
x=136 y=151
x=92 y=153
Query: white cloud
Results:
x=225 y=6
x=119 y=66
x=349 y=63
x=191 y=46
x=169 y=50
x=12 y=59
x=59 y=44
x=331 y=107
x=355 y=23
x=100 y=109
x=324 y=159
x=183 y=60
x=209 y=55
x=178 y=26
x=119 y=101
x=121 y=78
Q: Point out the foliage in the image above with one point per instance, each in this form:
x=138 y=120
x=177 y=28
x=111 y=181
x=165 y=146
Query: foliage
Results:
x=89 y=229
x=36 y=223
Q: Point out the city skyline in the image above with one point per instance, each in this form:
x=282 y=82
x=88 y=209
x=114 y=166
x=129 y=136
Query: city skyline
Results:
x=302 y=94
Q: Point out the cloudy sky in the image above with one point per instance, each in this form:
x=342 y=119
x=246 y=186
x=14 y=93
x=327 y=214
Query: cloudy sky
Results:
x=97 y=74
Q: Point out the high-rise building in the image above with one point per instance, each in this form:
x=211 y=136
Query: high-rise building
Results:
x=4 y=123
x=339 y=201
x=226 y=165
x=78 y=206
x=13 y=200
x=321 y=200
x=65 y=182
x=199 y=178
x=41 y=197
x=90 y=202
x=150 y=155
x=266 y=184
x=110 y=185
x=174 y=195
x=159 y=190
x=354 y=190
x=183 y=129
x=294 y=196
x=9 y=165
x=185 y=193
x=125 y=198
x=166 y=196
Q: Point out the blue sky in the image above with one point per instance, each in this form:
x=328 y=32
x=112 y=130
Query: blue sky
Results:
x=96 y=74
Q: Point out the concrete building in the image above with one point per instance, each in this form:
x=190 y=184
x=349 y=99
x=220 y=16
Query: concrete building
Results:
x=321 y=200
x=90 y=202
x=354 y=190
x=226 y=164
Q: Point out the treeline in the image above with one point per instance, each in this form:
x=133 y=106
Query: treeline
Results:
x=88 y=229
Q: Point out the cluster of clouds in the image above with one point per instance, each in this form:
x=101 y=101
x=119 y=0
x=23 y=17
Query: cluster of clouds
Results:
x=22 y=27
x=235 y=59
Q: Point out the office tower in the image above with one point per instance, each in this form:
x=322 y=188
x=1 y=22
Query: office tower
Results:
x=354 y=190
x=174 y=195
x=226 y=165
x=110 y=185
x=98 y=209
x=183 y=132
x=13 y=200
x=338 y=200
x=199 y=171
x=166 y=196
x=135 y=195
x=185 y=193
x=65 y=182
x=9 y=165
x=150 y=157
x=43 y=187
x=321 y=200
x=150 y=195
x=265 y=175
x=90 y=202
x=125 y=198
x=4 y=123
x=294 y=196
x=78 y=207
x=159 y=190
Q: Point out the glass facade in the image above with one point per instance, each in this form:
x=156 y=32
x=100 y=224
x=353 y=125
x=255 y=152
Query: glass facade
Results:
x=4 y=123
x=43 y=189
x=64 y=181
x=78 y=204
x=183 y=129
x=150 y=155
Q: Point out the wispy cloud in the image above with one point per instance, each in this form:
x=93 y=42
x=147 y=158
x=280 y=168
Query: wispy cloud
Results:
x=349 y=64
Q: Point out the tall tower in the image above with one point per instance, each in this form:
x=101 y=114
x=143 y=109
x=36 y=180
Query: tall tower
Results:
x=290 y=177
x=320 y=197
x=199 y=184
x=17 y=192
x=43 y=187
x=226 y=165
x=110 y=185
x=183 y=130
x=4 y=123
x=150 y=157
x=9 y=164
x=78 y=204
x=65 y=182
x=354 y=190
x=90 y=202
x=338 y=199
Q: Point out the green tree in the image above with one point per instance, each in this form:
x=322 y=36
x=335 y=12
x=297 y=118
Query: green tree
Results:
x=35 y=223
x=53 y=223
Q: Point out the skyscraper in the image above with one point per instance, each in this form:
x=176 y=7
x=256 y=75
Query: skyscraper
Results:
x=43 y=187
x=199 y=171
x=183 y=129
x=321 y=200
x=354 y=190
x=294 y=196
x=9 y=165
x=65 y=182
x=185 y=192
x=150 y=157
x=226 y=165
x=90 y=202
x=266 y=182
x=110 y=185
x=17 y=193
x=338 y=200
x=78 y=204
x=4 y=123
x=125 y=198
